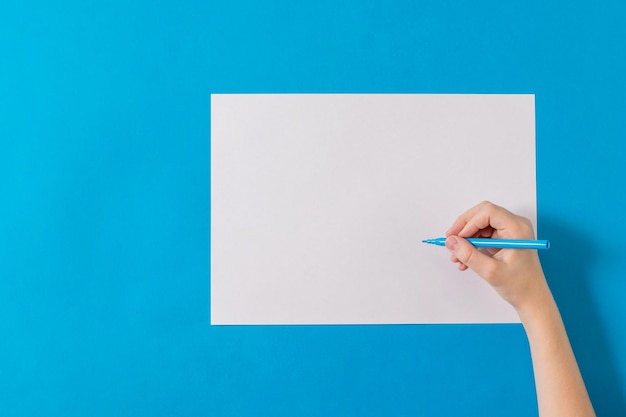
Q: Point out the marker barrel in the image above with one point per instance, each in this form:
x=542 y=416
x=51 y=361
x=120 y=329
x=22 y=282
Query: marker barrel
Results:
x=481 y=242
x=509 y=243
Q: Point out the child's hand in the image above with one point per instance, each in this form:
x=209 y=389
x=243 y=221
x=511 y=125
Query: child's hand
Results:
x=515 y=274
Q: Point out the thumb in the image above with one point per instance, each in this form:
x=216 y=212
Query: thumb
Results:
x=467 y=254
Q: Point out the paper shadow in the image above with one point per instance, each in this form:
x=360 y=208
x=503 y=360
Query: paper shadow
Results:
x=568 y=266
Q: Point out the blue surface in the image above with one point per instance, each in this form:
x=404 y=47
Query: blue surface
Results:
x=104 y=217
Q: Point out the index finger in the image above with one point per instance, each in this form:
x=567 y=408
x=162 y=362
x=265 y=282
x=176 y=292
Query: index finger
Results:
x=480 y=217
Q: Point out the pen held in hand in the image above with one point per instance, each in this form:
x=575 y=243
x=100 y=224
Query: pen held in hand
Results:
x=480 y=242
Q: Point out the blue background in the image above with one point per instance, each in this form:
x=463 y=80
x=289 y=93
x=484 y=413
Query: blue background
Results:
x=104 y=210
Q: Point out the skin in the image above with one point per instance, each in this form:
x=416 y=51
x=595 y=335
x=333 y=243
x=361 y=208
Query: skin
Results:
x=516 y=275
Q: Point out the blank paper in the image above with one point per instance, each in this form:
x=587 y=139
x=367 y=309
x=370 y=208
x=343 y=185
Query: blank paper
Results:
x=319 y=204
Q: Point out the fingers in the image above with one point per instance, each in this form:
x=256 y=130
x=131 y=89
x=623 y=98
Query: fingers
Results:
x=470 y=257
x=461 y=221
x=484 y=220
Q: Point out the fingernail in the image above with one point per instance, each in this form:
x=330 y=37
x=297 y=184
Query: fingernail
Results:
x=452 y=243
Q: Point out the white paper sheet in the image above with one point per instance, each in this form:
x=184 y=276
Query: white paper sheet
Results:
x=319 y=203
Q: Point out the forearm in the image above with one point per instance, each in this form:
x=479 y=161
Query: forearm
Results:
x=560 y=387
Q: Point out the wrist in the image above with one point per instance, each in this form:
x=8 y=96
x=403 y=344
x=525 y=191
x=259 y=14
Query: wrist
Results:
x=538 y=305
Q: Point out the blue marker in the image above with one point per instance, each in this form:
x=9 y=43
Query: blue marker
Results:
x=481 y=242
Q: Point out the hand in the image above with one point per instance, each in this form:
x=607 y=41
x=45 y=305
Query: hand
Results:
x=516 y=274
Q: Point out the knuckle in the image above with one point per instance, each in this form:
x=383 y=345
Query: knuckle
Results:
x=485 y=205
x=527 y=228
